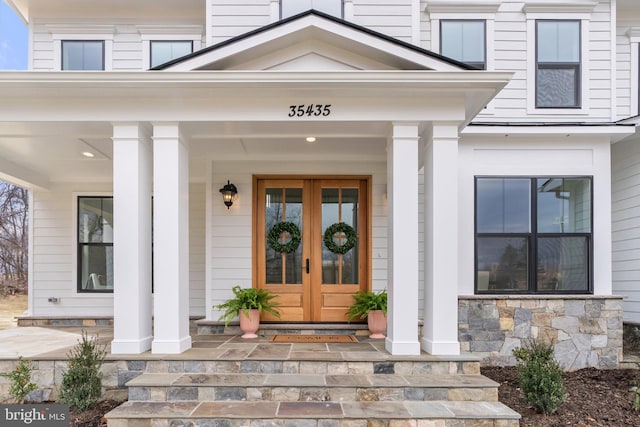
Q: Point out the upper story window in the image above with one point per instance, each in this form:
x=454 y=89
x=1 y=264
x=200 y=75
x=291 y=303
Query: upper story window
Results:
x=465 y=41
x=95 y=244
x=293 y=7
x=558 y=64
x=87 y=55
x=533 y=235
x=166 y=50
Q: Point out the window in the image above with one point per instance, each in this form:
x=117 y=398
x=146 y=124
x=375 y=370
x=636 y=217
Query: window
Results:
x=95 y=244
x=558 y=64
x=533 y=235
x=464 y=40
x=165 y=51
x=83 y=55
x=293 y=7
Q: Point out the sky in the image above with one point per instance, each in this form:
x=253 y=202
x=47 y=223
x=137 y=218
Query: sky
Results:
x=13 y=40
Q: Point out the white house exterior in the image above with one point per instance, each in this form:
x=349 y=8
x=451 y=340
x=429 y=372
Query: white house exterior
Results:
x=488 y=202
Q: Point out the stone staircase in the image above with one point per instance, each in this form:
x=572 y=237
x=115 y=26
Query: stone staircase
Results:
x=263 y=384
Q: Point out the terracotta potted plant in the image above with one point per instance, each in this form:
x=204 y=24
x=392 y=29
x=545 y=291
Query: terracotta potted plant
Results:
x=373 y=307
x=248 y=304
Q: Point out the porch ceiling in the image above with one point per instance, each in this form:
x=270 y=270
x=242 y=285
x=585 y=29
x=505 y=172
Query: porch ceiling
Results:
x=43 y=152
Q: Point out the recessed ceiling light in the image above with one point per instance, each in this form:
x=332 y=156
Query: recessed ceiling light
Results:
x=88 y=154
x=311 y=139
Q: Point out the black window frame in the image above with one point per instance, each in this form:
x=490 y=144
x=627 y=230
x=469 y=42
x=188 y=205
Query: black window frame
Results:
x=80 y=245
x=62 y=43
x=532 y=238
x=577 y=67
x=476 y=65
x=341 y=10
x=151 y=42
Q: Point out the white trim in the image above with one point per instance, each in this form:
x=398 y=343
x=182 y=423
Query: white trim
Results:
x=348 y=10
x=208 y=32
x=208 y=247
x=462 y=6
x=31 y=295
x=634 y=45
x=74 y=245
x=415 y=22
x=274 y=9
x=585 y=66
x=559 y=8
x=613 y=60
x=107 y=54
x=195 y=39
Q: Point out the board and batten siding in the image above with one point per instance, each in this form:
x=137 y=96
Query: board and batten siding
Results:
x=625 y=183
x=231 y=230
x=54 y=252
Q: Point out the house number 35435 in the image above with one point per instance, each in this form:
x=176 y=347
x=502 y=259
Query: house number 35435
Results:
x=311 y=110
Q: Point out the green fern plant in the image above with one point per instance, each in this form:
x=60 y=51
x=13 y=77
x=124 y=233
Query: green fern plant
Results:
x=366 y=301
x=20 y=378
x=540 y=376
x=247 y=299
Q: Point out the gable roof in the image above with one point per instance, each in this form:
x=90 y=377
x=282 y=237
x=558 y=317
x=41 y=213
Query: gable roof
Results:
x=381 y=50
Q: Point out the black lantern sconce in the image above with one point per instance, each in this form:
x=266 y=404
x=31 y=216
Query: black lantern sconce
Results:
x=229 y=193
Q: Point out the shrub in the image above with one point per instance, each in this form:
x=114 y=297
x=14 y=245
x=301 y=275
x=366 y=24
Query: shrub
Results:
x=20 y=378
x=82 y=382
x=540 y=376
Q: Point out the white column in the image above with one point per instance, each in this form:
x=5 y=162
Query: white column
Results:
x=440 y=331
x=402 y=199
x=170 y=240
x=132 y=171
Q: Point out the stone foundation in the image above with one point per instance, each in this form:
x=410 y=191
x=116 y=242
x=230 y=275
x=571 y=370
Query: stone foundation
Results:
x=586 y=331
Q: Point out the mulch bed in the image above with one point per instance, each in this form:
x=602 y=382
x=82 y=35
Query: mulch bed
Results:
x=595 y=398
x=93 y=417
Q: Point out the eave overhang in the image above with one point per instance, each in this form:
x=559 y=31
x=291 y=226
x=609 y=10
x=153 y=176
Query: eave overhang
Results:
x=109 y=96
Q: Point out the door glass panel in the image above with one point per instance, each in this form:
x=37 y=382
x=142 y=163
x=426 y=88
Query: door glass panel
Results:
x=339 y=205
x=283 y=205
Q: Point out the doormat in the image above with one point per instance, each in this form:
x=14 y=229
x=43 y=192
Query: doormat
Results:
x=314 y=338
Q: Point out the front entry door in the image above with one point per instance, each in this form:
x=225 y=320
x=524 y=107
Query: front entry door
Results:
x=311 y=246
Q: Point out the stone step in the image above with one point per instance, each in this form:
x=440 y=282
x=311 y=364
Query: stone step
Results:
x=213 y=327
x=308 y=362
x=313 y=414
x=311 y=387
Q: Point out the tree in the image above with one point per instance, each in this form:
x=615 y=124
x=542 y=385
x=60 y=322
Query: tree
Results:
x=14 y=218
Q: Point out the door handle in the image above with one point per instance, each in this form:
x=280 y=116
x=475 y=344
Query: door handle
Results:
x=307 y=265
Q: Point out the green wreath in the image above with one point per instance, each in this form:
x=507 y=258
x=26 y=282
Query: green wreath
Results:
x=340 y=227
x=275 y=234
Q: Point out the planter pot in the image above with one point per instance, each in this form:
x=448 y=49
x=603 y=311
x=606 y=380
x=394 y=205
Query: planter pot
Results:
x=377 y=322
x=249 y=325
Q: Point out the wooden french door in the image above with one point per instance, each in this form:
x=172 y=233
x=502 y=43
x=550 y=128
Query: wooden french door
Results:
x=311 y=270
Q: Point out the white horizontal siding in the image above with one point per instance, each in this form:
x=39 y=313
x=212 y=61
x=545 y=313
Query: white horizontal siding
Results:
x=54 y=250
x=390 y=17
x=232 y=18
x=625 y=159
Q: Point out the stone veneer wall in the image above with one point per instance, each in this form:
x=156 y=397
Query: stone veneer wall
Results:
x=586 y=331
